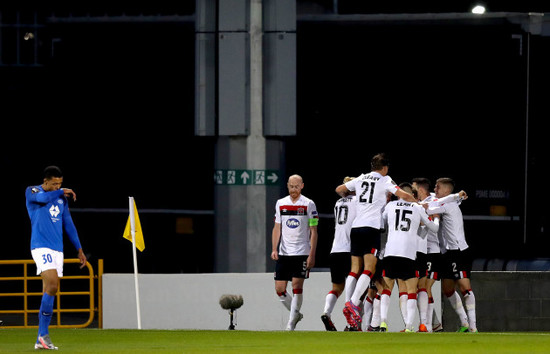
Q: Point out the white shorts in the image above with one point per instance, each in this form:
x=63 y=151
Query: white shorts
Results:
x=46 y=258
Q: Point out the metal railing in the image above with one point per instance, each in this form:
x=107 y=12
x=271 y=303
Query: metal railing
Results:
x=58 y=310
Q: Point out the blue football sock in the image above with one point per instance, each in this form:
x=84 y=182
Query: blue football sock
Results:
x=45 y=314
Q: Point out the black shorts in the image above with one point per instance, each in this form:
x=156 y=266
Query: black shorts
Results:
x=288 y=267
x=377 y=274
x=456 y=264
x=421 y=264
x=399 y=268
x=340 y=266
x=364 y=240
x=434 y=261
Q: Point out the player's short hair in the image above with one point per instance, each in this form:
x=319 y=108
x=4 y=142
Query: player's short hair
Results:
x=422 y=182
x=406 y=186
x=379 y=161
x=347 y=179
x=52 y=172
x=448 y=181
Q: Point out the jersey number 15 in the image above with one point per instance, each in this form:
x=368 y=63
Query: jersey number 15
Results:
x=402 y=223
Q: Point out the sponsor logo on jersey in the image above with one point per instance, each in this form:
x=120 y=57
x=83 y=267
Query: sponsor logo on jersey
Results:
x=293 y=223
x=54 y=211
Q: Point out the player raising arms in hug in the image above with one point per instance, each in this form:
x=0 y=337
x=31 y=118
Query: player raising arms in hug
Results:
x=371 y=189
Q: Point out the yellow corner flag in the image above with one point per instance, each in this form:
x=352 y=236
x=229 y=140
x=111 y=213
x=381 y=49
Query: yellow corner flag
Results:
x=140 y=244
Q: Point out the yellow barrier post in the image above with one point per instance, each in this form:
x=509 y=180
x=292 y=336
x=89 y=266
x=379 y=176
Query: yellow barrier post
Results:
x=100 y=293
x=25 y=299
x=26 y=294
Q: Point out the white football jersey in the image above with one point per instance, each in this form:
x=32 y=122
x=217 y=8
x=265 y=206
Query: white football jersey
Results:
x=422 y=240
x=451 y=227
x=344 y=214
x=403 y=220
x=295 y=220
x=432 y=239
x=371 y=190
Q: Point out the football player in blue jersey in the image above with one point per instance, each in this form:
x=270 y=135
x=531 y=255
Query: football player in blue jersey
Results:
x=47 y=205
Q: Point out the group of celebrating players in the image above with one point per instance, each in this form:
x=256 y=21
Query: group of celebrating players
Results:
x=425 y=243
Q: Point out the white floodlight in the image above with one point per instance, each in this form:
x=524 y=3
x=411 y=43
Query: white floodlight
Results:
x=478 y=10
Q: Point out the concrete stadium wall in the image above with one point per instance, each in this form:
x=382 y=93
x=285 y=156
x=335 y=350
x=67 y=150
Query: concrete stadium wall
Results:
x=191 y=301
x=507 y=301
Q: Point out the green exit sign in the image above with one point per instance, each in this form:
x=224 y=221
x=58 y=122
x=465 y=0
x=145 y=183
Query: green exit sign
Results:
x=229 y=177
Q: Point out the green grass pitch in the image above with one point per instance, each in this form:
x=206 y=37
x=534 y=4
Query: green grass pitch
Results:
x=195 y=341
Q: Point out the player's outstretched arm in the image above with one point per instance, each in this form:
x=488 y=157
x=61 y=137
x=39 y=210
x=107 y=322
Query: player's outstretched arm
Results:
x=342 y=190
x=453 y=197
x=34 y=195
x=405 y=196
x=432 y=225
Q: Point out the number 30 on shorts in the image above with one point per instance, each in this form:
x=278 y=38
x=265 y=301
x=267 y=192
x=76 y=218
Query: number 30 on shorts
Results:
x=47 y=258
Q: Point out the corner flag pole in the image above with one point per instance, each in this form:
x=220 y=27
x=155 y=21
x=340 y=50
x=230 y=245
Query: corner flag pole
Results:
x=133 y=231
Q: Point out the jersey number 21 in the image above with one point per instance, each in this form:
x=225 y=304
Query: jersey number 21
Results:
x=368 y=188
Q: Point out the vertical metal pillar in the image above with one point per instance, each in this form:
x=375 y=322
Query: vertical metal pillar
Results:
x=526 y=185
x=256 y=148
x=240 y=209
x=205 y=67
x=230 y=101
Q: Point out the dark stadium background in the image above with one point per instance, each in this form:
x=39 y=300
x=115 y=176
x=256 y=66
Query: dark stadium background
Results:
x=112 y=105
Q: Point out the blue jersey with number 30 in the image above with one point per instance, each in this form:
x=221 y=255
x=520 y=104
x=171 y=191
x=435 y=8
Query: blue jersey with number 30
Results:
x=49 y=214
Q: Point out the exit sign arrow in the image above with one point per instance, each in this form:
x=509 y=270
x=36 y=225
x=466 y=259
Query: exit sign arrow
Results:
x=273 y=177
x=244 y=177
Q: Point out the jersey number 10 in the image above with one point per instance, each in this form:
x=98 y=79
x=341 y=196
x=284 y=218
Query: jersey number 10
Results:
x=341 y=214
